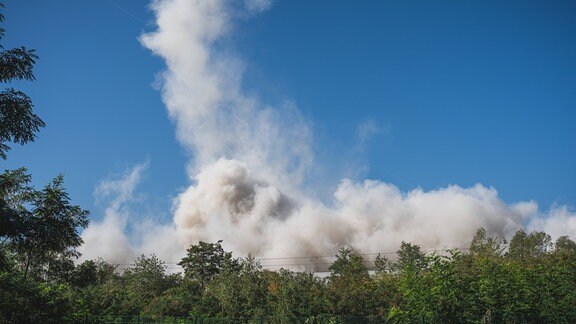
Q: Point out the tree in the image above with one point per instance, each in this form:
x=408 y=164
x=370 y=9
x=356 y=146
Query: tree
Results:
x=18 y=123
x=38 y=228
x=147 y=277
x=50 y=228
x=348 y=284
x=41 y=226
x=145 y=280
x=412 y=282
x=85 y=274
x=204 y=261
x=253 y=287
x=565 y=245
x=410 y=258
x=15 y=192
x=348 y=263
x=239 y=293
x=295 y=295
x=381 y=263
x=485 y=246
x=528 y=246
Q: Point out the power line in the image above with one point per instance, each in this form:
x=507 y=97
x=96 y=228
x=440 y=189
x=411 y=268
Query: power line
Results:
x=173 y=265
x=126 y=12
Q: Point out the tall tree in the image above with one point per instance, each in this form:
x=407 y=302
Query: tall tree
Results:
x=348 y=284
x=18 y=124
x=410 y=257
x=145 y=280
x=50 y=228
x=381 y=263
x=204 y=261
x=527 y=246
x=483 y=245
x=565 y=245
x=348 y=262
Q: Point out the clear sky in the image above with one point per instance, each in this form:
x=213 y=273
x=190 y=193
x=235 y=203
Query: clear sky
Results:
x=415 y=93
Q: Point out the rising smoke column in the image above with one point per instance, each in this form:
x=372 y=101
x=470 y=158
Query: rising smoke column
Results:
x=249 y=161
x=228 y=132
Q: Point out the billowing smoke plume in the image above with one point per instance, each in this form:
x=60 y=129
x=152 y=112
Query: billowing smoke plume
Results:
x=202 y=89
x=228 y=202
x=250 y=160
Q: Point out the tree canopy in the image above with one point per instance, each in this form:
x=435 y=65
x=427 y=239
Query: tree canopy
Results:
x=206 y=260
x=39 y=229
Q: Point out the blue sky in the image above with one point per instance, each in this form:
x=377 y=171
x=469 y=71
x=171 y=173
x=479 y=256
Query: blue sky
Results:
x=455 y=92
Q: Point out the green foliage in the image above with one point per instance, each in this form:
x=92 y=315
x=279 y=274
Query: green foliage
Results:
x=43 y=225
x=349 y=287
x=38 y=228
x=179 y=301
x=146 y=279
x=348 y=263
x=525 y=247
x=452 y=287
x=25 y=301
x=204 y=261
x=410 y=258
x=483 y=245
x=381 y=264
x=84 y=275
x=15 y=192
x=241 y=294
x=565 y=245
x=18 y=123
x=17 y=64
x=294 y=295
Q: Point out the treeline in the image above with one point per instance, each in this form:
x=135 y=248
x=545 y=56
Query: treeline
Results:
x=528 y=280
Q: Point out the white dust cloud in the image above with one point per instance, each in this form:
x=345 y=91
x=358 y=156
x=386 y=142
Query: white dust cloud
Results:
x=108 y=238
x=250 y=162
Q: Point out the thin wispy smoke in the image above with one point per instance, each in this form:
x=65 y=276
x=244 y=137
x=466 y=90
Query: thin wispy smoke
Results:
x=365 y=131
x=107 y=239
x=249 y=162
x=560 y=220
x=257 y=6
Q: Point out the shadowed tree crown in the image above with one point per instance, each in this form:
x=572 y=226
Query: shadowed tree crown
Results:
x=204 y=261
x=18 y=122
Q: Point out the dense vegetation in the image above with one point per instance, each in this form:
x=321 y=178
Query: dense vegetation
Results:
x=529 y=280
